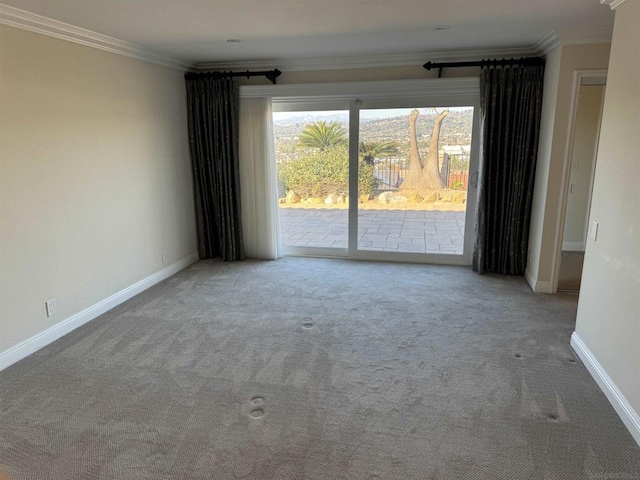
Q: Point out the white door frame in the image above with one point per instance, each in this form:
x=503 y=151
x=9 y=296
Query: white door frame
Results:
x=578 y=77
x=337 y=96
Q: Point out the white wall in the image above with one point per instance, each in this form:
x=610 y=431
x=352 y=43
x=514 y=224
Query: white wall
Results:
x=545 y=144
x=608 y=319
x=362 y=75
x=554 y=131
x=585 y=140
x=95 y=177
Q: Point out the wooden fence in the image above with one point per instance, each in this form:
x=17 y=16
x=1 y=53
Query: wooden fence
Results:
x=458 y=179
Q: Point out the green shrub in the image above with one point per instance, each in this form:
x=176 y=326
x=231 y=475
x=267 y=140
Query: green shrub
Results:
x=320 y=173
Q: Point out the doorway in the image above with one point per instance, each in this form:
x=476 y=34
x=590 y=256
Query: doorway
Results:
x=378 y=179
x=582 y=160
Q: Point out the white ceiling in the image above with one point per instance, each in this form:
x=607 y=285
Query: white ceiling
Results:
x=196 y=31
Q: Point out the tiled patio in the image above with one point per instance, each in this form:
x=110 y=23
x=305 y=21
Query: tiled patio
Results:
x=431 y=231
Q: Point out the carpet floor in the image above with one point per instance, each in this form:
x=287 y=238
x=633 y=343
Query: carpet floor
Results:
x=316 y=369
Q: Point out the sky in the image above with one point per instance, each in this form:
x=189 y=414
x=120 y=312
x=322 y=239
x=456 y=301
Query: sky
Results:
x=364 y=114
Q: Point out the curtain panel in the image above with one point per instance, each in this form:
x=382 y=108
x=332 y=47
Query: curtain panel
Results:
x=258 y=180
x=212 y=105
x=510 y=111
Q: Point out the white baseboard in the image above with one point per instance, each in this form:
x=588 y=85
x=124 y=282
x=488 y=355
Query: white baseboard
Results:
x=623 y=408
x=537 y=287
x=573 y=246
x=35 y=343
x=543 y=287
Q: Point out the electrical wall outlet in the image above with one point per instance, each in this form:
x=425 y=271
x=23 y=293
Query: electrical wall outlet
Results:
x=162 y=258
x=51 y=307
x=594 y=231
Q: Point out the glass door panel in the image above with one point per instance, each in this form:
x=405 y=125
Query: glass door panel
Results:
x=413 y=179
x=312 y=156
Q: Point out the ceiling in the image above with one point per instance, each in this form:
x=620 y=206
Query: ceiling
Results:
x=196 y=31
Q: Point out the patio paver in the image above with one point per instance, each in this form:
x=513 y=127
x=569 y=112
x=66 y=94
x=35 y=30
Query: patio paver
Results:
x=426 y=231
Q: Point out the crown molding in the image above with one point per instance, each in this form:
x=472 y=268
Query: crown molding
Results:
x=612 y=3
x=14 y=17
x=372 y=61
x=18 y=18
x=574 y=36
x=549 y=42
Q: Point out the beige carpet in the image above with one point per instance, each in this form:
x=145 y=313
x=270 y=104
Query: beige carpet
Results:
x=316 y=369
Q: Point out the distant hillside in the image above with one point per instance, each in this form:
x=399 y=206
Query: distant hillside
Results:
x=456 y=130
x=302 y=120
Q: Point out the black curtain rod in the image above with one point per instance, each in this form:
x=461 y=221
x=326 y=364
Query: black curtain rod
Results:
x=522 y=62
x=270 y=74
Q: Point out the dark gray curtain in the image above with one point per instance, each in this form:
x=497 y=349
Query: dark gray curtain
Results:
x=213 y=136
x=510 y=109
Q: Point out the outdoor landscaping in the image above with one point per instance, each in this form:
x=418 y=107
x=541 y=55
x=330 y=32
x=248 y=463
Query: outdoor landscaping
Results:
x=393 y=176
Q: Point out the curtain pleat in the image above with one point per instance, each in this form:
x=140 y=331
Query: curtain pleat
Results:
x=258 y=178
x=510 y=111
x=212 y=105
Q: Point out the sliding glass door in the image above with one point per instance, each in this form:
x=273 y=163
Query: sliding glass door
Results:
x=378 y=179
x=418 y=162
x=312 y=155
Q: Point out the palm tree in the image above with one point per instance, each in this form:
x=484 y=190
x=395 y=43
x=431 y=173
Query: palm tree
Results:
x=323 y=135
x=371 y=150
